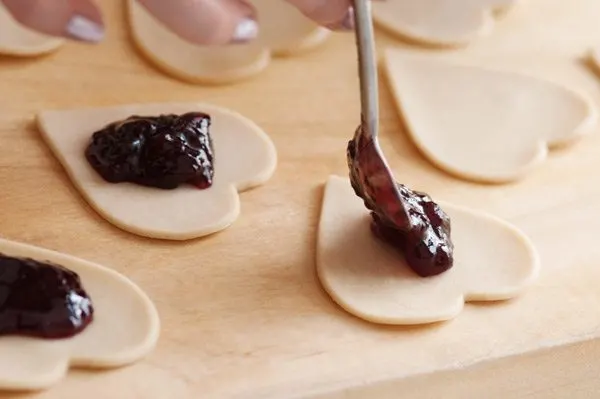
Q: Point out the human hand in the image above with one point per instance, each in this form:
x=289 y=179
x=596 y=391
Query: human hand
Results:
x=205 y=22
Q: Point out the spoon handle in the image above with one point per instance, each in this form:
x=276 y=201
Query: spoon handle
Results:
x=367 y=65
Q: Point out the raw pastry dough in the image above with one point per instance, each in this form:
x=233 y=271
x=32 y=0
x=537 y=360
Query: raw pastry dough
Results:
x=125 y=327
x=20 y=41
x=244 y=158
x=492 y=261
x=446 y=23
x=283 y=30
x=483 y=124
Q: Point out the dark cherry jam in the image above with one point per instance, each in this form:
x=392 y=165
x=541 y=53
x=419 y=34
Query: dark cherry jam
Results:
x=426 y=246
x=41 y=299
x=408 y=220
x=158 y=151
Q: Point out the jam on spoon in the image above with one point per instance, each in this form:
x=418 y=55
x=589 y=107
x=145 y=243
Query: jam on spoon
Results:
x=408 y=220
x=158 y=151
x=41 y=299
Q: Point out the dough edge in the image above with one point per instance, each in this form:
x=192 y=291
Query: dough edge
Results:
x=46 y=45
x=33 y=51
x=234 y=189
x=135 y=354
x=245 y=72
x=461 y=300
x=543 y=147
x=487 y=25
x=488 y=22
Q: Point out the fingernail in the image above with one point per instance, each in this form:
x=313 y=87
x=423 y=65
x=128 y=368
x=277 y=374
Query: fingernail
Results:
x=81 y=28
x=245 y=31
x=348 y=21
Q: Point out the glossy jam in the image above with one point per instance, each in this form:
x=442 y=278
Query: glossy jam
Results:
x=408 y=220
x=41 y=299
x=160 y=151
x=426 y=246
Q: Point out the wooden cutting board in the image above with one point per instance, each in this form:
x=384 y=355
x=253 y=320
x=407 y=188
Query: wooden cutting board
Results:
x=242 y=313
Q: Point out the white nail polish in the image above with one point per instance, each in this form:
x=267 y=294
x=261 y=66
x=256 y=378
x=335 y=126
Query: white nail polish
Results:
x=348 y=22
x=81 y=28
x=246 y=30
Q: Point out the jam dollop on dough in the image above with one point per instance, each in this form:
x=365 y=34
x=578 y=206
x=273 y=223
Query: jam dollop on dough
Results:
x=41 y=299
x=162 y=151
x=426 y=246
x=415 y=225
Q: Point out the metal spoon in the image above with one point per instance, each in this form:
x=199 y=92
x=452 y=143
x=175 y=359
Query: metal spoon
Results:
x=370 y=173
x=367 y=67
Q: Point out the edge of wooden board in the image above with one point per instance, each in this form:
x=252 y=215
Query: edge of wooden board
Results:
x=568 y=371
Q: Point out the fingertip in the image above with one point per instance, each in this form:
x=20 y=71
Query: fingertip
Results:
x=206 y=22
x=346 y=23
x=246 y=30
x=75 y=19
x=86 y=23
x=332 y=14
x=84 y=29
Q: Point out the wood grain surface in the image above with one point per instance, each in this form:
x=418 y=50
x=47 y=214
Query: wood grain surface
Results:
x=242 y=313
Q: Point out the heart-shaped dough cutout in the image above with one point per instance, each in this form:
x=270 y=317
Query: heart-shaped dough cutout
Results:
x=245 y=157
x=445 y=23
x=125 y=328
x=283 y=30
x=483 y=124
x=17 y=40
x=368 y=278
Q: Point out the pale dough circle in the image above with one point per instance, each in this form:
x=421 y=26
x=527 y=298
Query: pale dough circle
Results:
x=20 y=41
x=283 y=31
x=245 y=157
x=492 y=261
x=483 y=124
x=445 y=23
x=125 y=328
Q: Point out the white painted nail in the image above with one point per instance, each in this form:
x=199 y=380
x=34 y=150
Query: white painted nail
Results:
x=246 y=30
x=348 y=22
x=81 y=28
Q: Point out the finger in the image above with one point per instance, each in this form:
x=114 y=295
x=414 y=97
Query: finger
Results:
x=74 y=19
x=334 y=14
x=205 y=22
